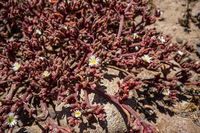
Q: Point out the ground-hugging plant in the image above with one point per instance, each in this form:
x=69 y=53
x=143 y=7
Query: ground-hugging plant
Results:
x=61 y=46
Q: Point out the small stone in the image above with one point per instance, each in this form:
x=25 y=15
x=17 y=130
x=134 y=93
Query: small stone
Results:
x=12 y=39
x=198 y=16
x=183 y=3
x=174 y=28
x=20 y=124
x=161 y=19
x=182 y=89
x=138 y=19
x=179 y=83
x=198 y=124
x=198 y=44
x=198 y=48
x=179 y=40
x=52 y=113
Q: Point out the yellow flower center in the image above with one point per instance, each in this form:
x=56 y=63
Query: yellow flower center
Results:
x=17 y=66
x=134 y=36
x=67 y=92
x=165 y=91
x=78 y=113
x=47 y=74
x=0 y=103
x=11 y=119
x=146 y=59
x=93 y=61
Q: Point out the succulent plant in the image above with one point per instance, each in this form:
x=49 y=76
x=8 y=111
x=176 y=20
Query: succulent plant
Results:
x=61 y=47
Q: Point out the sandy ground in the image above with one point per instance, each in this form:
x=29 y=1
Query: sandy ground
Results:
x=169 y=24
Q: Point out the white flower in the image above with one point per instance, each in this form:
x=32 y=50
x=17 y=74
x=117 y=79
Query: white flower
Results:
x=147 y=58
x=11 y=120
x=158 y=11
x=166 y=92
x=66 y=27
x=1 y=104
x=77 y=113
x=38 y=32
x=135 y=35
x=93 y=61
x=170 y=44
x=16 y=66
x=180 y=52
x=41 y=58
x=46 y=73
x=161 y=39
x=129 y=4
x=136 y=48
x=68 y=92
x=107 y=62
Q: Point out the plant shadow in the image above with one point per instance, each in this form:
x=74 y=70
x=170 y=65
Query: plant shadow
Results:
x=148 y=100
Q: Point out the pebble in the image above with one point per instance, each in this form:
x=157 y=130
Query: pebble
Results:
x=179 y=40
x=161 y=19
x=198 y=44
x=179 y=83
x=198 y=48
x=198 y=124
x=12 y=39
x=138 y=21
x=198 y=16
x=174 y=28
x=183 y=3
x=52 y=113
